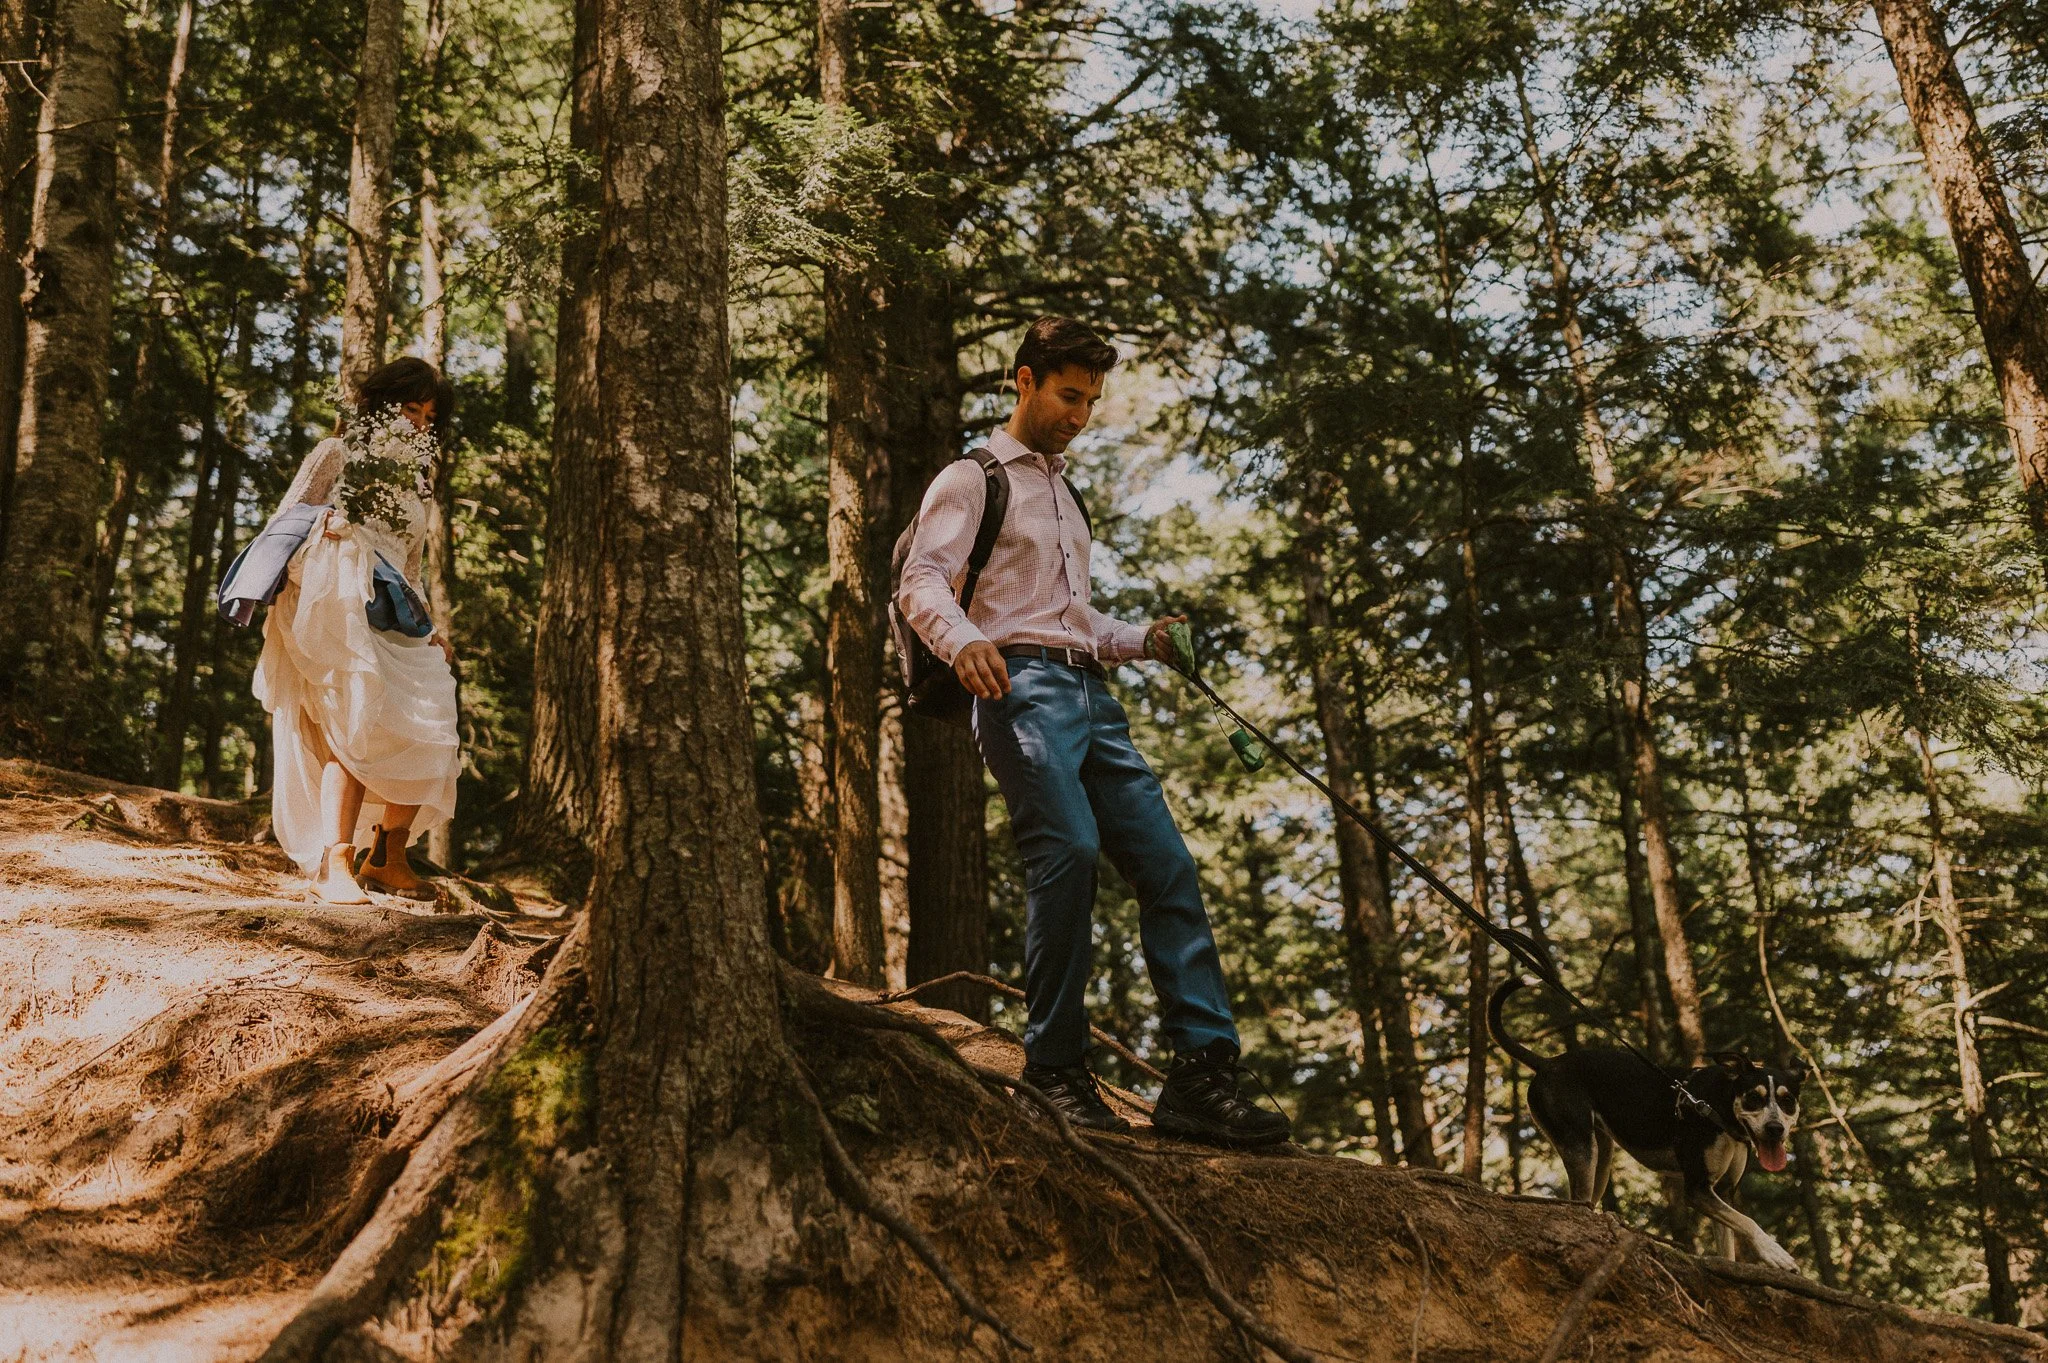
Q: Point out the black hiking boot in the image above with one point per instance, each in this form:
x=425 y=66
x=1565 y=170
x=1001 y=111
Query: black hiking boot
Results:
x=1074 y=1093
x=1199 y=1102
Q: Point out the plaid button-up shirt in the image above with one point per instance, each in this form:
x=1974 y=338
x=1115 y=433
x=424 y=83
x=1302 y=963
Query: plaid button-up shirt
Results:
x=1035 y=587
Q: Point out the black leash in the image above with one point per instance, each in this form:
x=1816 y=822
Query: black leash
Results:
x=1517 y=944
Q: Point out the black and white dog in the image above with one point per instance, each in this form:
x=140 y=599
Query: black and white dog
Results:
x=1588 y=1101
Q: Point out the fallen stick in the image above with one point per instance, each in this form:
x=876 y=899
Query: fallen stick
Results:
x=1756 y=1275
x=1588 y=1293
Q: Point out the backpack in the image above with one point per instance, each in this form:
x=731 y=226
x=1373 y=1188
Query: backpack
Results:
x=930 y=687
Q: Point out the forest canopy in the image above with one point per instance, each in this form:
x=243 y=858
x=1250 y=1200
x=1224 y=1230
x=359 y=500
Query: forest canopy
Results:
x=1607 y=441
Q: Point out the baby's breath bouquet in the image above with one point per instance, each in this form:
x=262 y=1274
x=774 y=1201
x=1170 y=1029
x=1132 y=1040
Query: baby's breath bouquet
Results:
x=387 y=458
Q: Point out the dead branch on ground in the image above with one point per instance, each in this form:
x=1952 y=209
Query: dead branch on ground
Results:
x=1588 y=1293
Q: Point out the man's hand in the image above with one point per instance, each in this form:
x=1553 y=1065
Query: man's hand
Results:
x=1158 y=647
x=982 y=670
x=447 y=650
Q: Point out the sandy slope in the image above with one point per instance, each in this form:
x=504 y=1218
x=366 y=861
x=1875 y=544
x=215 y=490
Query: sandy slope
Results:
x=194 y=1061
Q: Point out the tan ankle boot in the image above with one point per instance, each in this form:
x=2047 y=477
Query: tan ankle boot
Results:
x=388 y=871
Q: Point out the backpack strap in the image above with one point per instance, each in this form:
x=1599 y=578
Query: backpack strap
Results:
x=1080 y=505
x=995 y=504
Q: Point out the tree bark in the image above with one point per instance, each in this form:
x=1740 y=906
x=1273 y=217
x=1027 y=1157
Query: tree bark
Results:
x=680 y=968
x=858 y=494
x=1525 y=889
x=945 y=791
x=365 y=319
x=20 y=22
x=438 y=562
x=151 y=424
x=1642 y=914
x=1478 y=731
x=68 y=296
x=307 y=287
x=1631 y=627
x=1978 y=1120
x=1372 y=942
x=519 y=376
x=202 y=532
x=558 y=801
x=1804 y=1147
x=2012 y=314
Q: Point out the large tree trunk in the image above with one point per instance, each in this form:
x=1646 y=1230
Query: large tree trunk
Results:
x=944 y=788
x=46 y=651
x=365 y=319
x=558 y=802
x=1978 y=1121
x=858 y=497
x=19 y=75
x=2012 y=314
x=1373 y=944
x=680 y=967
x=1639 y=722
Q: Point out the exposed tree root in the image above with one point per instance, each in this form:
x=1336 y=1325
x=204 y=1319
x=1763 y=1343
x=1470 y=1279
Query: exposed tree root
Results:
x=1011 y=991
x=1759 y=1276
x=855 y=1190
x=424 y=1103
x=1169 y=1226
x=405 y=1218
x=1588 y=1293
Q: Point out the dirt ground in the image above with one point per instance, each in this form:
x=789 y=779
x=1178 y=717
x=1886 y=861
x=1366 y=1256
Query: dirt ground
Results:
x=195 y=1060
x=196 y=1063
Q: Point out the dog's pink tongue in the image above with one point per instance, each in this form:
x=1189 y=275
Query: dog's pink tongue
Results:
x=1771 y=1155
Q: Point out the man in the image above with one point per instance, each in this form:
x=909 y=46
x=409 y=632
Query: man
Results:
x=1032 y=653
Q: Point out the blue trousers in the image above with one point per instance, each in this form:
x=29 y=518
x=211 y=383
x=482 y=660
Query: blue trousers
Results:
x=1060 y=747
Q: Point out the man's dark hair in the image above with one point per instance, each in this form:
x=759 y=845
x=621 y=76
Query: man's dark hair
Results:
x=410 y=379
x=1053 y=343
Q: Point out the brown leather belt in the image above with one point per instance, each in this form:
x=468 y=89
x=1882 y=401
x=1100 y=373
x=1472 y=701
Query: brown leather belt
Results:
x=1072 y=657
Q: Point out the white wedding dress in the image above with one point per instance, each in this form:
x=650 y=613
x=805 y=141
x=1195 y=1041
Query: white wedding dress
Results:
x=380 y=703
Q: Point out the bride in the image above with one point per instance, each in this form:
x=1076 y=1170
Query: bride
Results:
x=361 y=707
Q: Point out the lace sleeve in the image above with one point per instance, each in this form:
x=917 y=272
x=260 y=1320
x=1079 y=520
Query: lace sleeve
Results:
x=317 y=475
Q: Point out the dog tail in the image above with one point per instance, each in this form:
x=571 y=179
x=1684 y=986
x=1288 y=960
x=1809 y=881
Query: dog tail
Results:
x=1495 y=1024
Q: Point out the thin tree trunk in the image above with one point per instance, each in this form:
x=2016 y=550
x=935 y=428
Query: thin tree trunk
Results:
x=1372 y=944
x=307 y=282
x=944 y=789
x=558 y=801
x=1478 y=728
x=858 y=493
x=202 y=532
x=152 y=424
x=1978 y=1120
x=365 y=319
x=19 y=77
x=439 y=560
x=46 y=651
x=519 y=377
x=1478 y=722
x=1803 y=1145
x=2012 y=314
x=805 y=889
x=681 y=975
x=1642 y=914
x=1525 y=887
x=1631 y=626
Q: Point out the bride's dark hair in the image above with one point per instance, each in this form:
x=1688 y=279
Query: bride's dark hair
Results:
x=410 y=379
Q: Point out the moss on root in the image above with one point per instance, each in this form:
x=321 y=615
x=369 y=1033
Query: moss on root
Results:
x=540 y=1102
